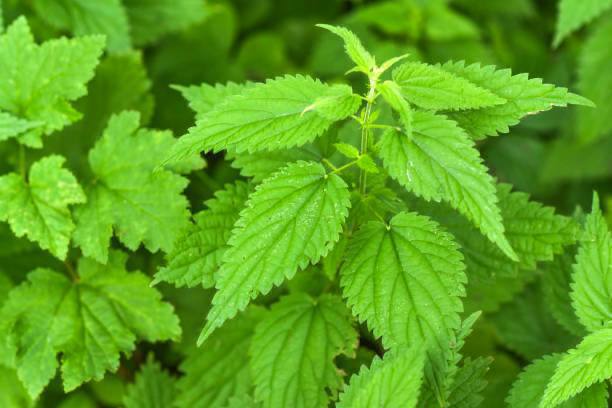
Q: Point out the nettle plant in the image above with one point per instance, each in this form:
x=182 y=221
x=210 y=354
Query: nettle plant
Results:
x=365 y=219
x=384 y=211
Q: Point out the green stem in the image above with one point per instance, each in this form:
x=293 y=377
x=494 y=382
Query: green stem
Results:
x=329 y=164
x=365 y=129
x=344 y=167
x=71 y=272
x=376 y=214
x=22 y=161
x=380 y=126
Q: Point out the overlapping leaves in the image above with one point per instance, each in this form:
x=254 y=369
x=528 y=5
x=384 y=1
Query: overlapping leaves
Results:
x=40 y=81
x=90 y=320
x=281 y=113
x=292 y=219
x=127 y=196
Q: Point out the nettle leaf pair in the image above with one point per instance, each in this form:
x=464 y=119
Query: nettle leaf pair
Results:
x=328 y=196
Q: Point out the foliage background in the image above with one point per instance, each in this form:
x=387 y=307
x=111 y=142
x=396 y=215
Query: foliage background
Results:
x=559 y=157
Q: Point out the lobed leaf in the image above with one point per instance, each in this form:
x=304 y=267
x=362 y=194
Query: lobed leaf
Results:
x=39 y=81
x=127 y=196
x=11 y=126
x=39 y=206
x=84 y=17
x=90 y=320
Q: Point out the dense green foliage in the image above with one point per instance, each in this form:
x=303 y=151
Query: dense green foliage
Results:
x=234 y=203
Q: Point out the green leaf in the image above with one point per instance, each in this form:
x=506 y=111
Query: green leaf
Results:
x=152 y=19
x=260 y=165
x=524 y=96
x=412 y=266
x=152 y=388
x=526 y=327
x=573 y=14
x=589 y=363
x=141 y=205
x=104 y=99
x=445 y=24
x=528 y=389
x=556 y=281
x=214 y=374
x=292 y=219
x=354 y=49
x=469 y=382
x=197 y=255
x=595 y=81
x=405 y=280
x=431 y=87
x=84 y=17
x=11 y=126
x=390 y=17
x=393 y=381
x=293 y=351
x=438 y=161
x=367 y=164
x=392 y=93
x=203 y=98
x=592 y=279
x=39 y=81
x=347 y=150
x=90 y=320
x=242 y=401
x=12 y=392
x=38 y=207
x=281 y=113
x=534 y=231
